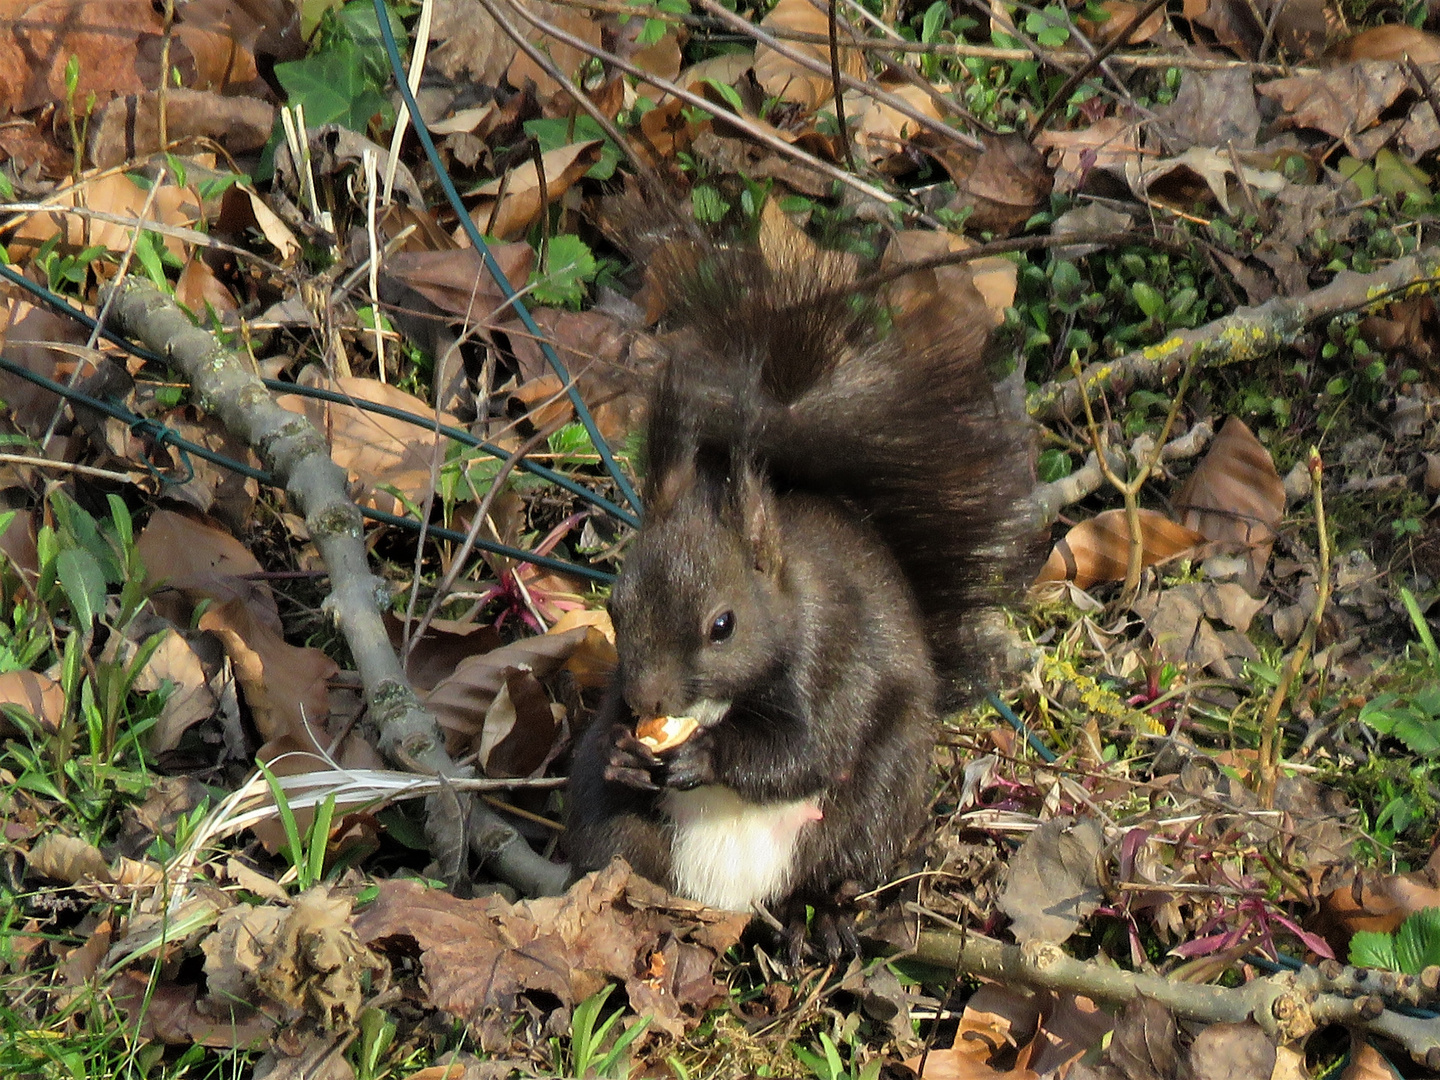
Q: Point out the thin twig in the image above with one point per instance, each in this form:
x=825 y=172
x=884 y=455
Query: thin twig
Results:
x=642 y=167
x=1061 y=96
x=69 y=466
x=837 y=90
x=899 y=104
x=743 y=123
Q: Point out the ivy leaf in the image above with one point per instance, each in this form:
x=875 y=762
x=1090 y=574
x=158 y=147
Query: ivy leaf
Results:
x=335 y=86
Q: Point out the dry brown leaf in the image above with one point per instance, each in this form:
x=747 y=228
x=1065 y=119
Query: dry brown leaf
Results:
x=117 y=44
x=1053 y=886
x=317 y=964
x=18 y=554
x=1099 y=549
x=129 y=127
x=986 y=284
x=456 y=279
x=377 y=451
x=200 y=290
x=1212 y=109
x=1394 y=42
x=1342 y=102
x=594 y=659
x=1222 y=1051
x=116 y=194
x=1003 y=185
x=468 y=46
x=521 y=727
x=190 y=700
x=881 y=130
x=1236 y=498
x=520 y=204
x=242 y=208
x=1185 y=180
x=1110 y=144
x=460 y=702
x=68 y=859
x=1375 y=901
x=783 y=78
x=284 y=684
x=37 y=696
x=481 y=955
x=167 y=1012
x=567 y=58
x=190 y=558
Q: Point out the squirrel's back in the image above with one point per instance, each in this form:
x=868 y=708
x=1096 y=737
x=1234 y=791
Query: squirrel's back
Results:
x=891 y=409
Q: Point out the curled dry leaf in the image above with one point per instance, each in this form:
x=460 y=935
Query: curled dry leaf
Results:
x=482 y=955
x=1099 y=549
x=782 y=77
x=461 y=702
x=1236 y=498
x=129 y=127
x=35 y=695
x=519 y=191
x=986 y=284
x=284 y=685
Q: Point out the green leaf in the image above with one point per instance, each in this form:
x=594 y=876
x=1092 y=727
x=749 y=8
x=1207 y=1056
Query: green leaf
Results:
x=1054 y=464
x=1148 y=298
x=335 y=85
x=568 y=265
x=1373 y=950
x=83 y=581
x=728 y=92
x=708 y=205
x=1417 y=942
x=552 y=134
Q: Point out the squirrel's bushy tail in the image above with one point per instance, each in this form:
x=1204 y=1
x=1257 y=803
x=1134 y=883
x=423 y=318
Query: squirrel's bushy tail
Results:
x=776 y=358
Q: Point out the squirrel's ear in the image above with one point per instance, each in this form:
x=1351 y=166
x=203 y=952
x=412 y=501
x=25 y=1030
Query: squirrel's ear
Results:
x=665 y=491
x=762 y=529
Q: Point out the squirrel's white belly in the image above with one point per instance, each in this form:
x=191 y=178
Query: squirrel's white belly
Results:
x=729 y=853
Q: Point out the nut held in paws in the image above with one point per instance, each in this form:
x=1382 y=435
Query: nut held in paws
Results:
x=661 y=733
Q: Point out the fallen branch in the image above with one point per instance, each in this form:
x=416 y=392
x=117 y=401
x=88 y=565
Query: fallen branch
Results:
x=1287 y=1006
x=296 y=454
x=1248 y=334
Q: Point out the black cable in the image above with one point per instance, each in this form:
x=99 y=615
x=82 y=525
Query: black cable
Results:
x=512 y=298
x=162 y=434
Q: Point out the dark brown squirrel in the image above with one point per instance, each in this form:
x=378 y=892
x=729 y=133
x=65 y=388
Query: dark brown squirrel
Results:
x=832 y=506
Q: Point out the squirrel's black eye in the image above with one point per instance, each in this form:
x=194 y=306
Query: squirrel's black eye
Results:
x=722 y=627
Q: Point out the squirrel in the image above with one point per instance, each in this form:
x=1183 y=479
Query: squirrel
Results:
x=832 y=498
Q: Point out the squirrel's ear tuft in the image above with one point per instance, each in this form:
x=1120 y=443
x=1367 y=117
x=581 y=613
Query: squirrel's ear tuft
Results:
x=760 y=522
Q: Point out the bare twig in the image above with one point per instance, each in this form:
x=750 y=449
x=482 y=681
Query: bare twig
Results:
x=1246 y=334
x=899 y=104
x=293 y=451
x=1287 y=1006
x=1061 y=96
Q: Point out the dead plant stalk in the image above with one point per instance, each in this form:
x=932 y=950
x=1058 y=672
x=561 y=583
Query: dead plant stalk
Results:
x=1270 y=724
x=1130 y=489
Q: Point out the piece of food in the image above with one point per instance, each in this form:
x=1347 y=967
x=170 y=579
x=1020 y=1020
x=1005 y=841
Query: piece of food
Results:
x=661 y=733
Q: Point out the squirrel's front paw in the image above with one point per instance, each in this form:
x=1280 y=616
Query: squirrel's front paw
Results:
x=630 y=761
x=689 y=764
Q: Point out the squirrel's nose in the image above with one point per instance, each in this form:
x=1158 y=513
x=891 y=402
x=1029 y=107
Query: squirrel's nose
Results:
x=650 y=697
